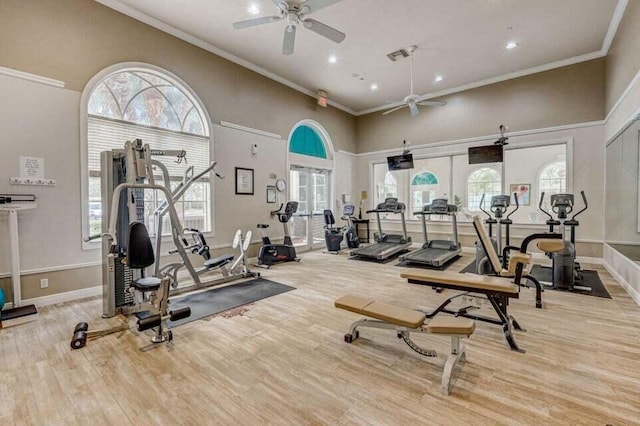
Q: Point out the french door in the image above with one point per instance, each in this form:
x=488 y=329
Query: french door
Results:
x=311 y=188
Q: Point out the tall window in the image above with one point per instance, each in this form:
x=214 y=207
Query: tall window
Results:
x=483 y=181
x=149 y=105
x=390 y=188
x=424 y=187
x=553 y=178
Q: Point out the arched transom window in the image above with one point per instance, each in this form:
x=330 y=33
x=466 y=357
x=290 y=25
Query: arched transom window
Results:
x=150 y=105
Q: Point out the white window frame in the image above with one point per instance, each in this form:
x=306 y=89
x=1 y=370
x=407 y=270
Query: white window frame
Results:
x=451 y=149
x=84 y=129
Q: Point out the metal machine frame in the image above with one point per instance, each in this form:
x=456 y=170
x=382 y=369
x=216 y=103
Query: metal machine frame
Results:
x=126 y=173
x=436 y=253
x=386 y=245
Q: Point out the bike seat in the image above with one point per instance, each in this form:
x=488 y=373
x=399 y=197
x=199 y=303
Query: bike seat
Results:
x=263 y=226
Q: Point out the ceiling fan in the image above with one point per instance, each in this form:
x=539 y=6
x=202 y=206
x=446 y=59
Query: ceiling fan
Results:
x=296 y=14
x=412 y=100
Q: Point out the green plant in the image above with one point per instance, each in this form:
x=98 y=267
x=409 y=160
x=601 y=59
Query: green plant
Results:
x=458 y=202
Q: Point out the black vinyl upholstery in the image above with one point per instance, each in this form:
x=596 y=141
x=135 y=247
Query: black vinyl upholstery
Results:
x=139 y=247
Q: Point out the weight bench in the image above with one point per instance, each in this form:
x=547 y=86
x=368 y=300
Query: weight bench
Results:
x=496 y=289
x=405 y=321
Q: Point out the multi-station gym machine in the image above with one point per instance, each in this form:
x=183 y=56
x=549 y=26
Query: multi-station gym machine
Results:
x=126 y=174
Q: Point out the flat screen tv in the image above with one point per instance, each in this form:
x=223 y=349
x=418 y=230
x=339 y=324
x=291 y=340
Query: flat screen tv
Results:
x=400 y=162
x=485 y=154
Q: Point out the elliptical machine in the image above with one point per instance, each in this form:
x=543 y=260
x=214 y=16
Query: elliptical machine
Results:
x=271 y=253
x=499 y=206
x=565 y=269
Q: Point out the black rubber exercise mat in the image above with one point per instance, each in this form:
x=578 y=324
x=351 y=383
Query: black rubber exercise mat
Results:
x=544 y=274
x=216 y=300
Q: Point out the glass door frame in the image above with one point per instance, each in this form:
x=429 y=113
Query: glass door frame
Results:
x=311 y=216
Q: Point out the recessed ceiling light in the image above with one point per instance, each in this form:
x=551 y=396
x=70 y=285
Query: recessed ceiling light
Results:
x=374 y=86
x=511 y=45
x=333 y=59
x=438 y=78
x=254 y=9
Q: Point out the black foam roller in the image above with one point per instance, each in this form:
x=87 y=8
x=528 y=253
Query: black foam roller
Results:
x=81 y=326
x=179 y=314
x=149 y=322
x=79 y=339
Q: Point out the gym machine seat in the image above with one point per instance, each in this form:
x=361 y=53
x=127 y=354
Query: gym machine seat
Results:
x=216 y=262
x=405 y=321
x=140 y=256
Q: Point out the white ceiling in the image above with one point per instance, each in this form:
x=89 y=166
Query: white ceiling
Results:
x=462 y=40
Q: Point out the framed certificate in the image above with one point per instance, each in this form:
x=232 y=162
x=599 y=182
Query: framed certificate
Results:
x=244 y=181
x=271 y=194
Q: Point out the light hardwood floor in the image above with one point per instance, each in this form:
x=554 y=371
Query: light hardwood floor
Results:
x=282 y=360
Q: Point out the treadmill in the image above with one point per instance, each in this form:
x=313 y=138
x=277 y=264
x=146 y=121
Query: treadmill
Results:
x=436 y=253
x=386 y=245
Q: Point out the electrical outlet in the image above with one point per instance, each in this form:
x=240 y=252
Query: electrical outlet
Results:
x=44 y=283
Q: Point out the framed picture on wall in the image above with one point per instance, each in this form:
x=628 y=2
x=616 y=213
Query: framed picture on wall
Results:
x=271 y=194
x=522 y=191
x=244 y=181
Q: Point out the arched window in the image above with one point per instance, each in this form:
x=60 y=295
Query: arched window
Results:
x=390 y=189
x=148 y=104
x=424 y=187
x=306 y=141
x=482 y=181
x=552 y=179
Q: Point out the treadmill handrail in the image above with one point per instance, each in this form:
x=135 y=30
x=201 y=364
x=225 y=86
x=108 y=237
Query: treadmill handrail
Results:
x=385 y=211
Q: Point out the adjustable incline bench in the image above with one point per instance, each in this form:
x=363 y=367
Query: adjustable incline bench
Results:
x=405 y=321
x=496 y=289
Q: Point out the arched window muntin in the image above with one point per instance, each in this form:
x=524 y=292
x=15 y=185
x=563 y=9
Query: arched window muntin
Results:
x=485 y=180
x=179 y=99
x=424 y=187
x=552 y=178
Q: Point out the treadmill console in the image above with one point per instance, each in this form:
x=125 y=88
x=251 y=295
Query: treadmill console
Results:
x=439 y=206
x=391 y=205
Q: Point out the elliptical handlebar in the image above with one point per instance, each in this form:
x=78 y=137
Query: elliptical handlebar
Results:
x=481 y=206
x=540 y=206
x=586 y=206
x=515 y=198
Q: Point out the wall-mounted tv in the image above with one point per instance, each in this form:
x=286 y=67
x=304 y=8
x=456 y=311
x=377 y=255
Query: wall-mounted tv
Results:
x=485 y=154
x=400 y=162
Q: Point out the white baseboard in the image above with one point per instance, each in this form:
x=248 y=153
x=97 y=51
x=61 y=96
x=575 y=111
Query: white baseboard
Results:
x=64 y=297
x=635 y=295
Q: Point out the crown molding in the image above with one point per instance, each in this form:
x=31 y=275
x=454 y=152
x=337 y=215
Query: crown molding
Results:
x=31 y=77
x=163 y=26
x=169 y=29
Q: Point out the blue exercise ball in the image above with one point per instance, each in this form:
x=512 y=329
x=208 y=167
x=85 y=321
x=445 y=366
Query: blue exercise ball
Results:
x=2 y=299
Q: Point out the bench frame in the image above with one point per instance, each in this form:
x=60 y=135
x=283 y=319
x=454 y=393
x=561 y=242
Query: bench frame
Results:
x=498 y=300
x=457 y=355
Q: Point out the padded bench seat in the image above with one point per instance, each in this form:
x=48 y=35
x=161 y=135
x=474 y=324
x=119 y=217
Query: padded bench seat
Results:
x=218 y=261
x=405 y=321
x=482 y=283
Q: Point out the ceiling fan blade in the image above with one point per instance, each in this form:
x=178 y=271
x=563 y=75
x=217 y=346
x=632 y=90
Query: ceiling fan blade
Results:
x=414 y=109
x=432 y=103
x=324 y=30
x=315 y=5
x=289 y=40
x=389 y=111
x=257 y=21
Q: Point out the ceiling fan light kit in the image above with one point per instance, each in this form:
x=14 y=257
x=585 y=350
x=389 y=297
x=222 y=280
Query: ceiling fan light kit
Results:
x=296 y=15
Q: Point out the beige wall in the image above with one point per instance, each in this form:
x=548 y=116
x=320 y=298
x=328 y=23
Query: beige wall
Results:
x=623 y=60
x=71 y=40
x=573 y=94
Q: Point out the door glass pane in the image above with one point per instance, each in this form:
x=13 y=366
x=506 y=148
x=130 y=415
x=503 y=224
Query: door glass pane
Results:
x=298 y=229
